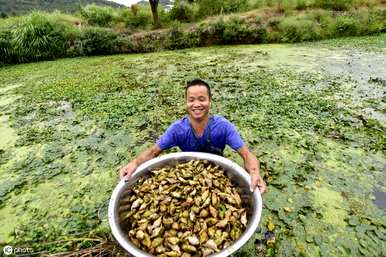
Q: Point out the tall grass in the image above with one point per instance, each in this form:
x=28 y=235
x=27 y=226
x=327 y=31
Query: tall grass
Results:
x=38 y=37
x=337 y=5
x=97 y=15
x=184 y=12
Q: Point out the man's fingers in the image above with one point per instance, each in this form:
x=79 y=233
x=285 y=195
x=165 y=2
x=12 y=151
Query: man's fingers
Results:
x=122 y=172
x=127 y=175
x=262 y=186
x=253 y=183
x=263 y=189
x=126 y=178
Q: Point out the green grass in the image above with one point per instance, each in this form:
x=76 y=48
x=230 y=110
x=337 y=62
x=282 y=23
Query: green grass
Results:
x=319 y=135
x=369 y=43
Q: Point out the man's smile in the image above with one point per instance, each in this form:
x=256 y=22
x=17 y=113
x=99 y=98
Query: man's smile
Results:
x=197 y=111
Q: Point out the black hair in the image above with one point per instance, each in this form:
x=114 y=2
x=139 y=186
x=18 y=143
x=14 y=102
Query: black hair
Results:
x=197 y=82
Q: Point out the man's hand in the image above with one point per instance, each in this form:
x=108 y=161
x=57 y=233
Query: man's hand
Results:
x=258 y=181
x=252 y=165
x=126 y=171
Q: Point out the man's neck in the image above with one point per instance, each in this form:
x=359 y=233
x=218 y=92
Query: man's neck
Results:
x=199 y=125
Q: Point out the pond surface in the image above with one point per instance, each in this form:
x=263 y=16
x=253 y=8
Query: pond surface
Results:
x=313 y=113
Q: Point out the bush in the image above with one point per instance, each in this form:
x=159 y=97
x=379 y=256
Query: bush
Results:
x=237 y=31
x=6 y=48
x=214 y=32
x=182 y=11
x=175 y=37
x=324 y=21
x=139 y=17
x=370 y=22
x=338 y=5
x=346 y=26
x=303 y=4
x=296 y=29
x=97 y=15
x=213 y=7
x=209 y=7
x=232 y=6
x=233 y=31
x=149 y=42
x=97 y=41
x=38 y=37
x=164 y=16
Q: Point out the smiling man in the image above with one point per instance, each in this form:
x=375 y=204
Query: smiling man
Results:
x=201 y=132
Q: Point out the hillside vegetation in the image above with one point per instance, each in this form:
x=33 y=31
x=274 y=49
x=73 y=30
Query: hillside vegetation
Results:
x=17 y=7
x=97 y=30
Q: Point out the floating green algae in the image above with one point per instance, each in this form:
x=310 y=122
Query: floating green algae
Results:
x=317 y=131
x=331 y=205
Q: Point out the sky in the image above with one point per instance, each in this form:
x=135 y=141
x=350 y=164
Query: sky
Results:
x=126 y=2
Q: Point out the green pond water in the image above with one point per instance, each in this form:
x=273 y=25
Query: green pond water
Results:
x=313 y=113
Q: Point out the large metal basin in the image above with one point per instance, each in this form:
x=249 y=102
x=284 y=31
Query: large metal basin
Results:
x=237 y=174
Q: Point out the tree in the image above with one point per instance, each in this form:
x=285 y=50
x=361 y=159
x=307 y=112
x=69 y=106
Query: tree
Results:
x=154 y=10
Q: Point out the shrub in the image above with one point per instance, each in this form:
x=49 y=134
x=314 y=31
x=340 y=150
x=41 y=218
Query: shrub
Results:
x=203 y=32
x=182 y=11
x=325 y=22
x=346 y=26
x=38 y=37
x=260 y=33
x=74 y=44
x=216 y=31
x=296 y=29
x=149 y=42
x=338 y=5
x=97 y=15
x=178 y=39
x=232 y=31
x=212 y=7
x=139 y=17
x=6 y=48
x=124 y=44
x=97 y=41
x=237 y=31
x=164 y=16
x=370 y=22
x=302 y=4
x=231 y=6
x=176 y=36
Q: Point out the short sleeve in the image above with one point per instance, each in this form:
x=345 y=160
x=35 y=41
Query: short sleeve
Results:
x=169 y=138
x=233 y=138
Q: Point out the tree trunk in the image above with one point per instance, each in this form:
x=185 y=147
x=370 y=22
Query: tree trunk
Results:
x=154 y=10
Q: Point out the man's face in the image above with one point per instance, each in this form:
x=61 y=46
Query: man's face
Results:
x=197 y=102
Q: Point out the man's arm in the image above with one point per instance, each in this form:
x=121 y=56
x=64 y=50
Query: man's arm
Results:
x=126 y=171
x=252 y=165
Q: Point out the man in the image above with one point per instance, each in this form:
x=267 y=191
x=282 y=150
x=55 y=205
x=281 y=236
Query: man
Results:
x=200 y=132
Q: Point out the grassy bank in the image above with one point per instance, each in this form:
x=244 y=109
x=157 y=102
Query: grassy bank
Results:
x=312 y=113
x=41 y=36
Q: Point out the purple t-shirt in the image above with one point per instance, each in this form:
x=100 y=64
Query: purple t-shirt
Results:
x=219 y=131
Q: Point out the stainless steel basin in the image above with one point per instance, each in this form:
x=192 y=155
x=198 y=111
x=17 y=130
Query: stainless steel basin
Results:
x=237 y=174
